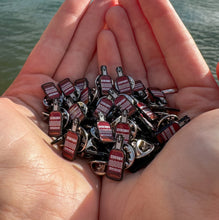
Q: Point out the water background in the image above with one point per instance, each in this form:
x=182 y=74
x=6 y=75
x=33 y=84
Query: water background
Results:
x=23 y=21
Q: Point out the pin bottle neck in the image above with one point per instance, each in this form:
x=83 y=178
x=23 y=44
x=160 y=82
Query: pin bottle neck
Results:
x=69 y=102
x=104 y=70
x=73 y=96
x=124 y=117
x=55 y=105
x=119 y=142
x=113 y=94
x=119 y=71
x=101 y=116
x=75 y=124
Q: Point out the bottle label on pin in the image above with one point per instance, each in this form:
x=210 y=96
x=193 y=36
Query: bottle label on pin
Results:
x=124 y=130
x=50 y=90
x=124 y=104
x=105 y=84
x=85 y=96
x=67 y=87
x=123 y=85
x=103 y=106
x=76 y=112
x=105 y=131
x=115 y=164
x=70 y=146
x=168 y=132
x=55 y=124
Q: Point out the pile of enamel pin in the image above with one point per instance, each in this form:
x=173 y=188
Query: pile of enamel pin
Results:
x=115 y=126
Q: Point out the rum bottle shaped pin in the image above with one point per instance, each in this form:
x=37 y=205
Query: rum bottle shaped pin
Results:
x=104 y=105
x=55 y=116
x=77 y=110
x=123 y=83
x=55 y=121
x=83 y=85
x=104 y=129
x=115 y=167
x=71 y=143
x=51 y=91
x=170 y=129
x=103 y=82
x=140 y=90
x=123 y=128
x=167 y=132
x=69 y=90
x=156 y=95
x=145 y=110
x=123 y=102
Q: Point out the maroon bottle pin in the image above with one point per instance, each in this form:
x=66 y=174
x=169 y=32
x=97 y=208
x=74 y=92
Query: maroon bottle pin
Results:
x=104 y=82
x=123 y=128
x=71 y=143
x=55 y=121
x=115 y=167
x=104 y=105
x=122 y=83
x=50 y=90
x=104 y=129
x=167 y=132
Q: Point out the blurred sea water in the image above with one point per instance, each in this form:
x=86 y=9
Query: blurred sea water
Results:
x=22 y=23
x=202 y=20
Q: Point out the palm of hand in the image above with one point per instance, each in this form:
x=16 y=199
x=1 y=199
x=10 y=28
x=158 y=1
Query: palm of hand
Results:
x=176 y=184
x=35 y=183
x=67 y=190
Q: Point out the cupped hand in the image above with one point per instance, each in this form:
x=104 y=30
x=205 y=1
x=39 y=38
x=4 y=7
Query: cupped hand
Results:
x=149 y=40
x=35 y=183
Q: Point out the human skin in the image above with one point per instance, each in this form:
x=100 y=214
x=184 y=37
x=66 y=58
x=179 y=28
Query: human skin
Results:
x=35 y=181
x=181 y=182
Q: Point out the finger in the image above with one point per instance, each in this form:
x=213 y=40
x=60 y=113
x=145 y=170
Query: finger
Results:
x=183 y=58
x=157 y=71
x=83 y=45
x=108 y=52
x=52 y=46
x=118 y=22
x=92 y=71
